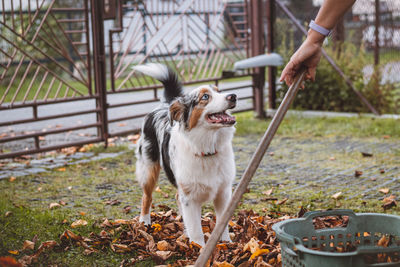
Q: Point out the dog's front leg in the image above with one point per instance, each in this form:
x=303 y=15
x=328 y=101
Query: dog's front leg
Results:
x=220 y=202
x=191 y=213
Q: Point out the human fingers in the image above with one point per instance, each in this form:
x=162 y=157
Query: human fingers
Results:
x=312 y=71
x=286 y=71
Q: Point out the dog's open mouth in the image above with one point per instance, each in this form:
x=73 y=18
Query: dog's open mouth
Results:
x=221 y=118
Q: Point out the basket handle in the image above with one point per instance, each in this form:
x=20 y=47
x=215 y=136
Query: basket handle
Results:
x=283 y=235
x=309 y=216
x=312 y=214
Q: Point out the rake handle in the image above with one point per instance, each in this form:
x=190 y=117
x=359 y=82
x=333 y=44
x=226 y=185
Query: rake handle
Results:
x=250 y=170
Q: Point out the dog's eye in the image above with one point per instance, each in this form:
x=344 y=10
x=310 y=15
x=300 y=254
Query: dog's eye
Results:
x=205 y=97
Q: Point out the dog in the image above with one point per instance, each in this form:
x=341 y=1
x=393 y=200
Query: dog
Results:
x=190 y=136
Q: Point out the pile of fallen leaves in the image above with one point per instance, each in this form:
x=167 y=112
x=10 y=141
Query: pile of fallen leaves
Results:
x=163 y=242
x=254 y=242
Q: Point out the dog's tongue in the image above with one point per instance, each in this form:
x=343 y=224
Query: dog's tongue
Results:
x=221 y=118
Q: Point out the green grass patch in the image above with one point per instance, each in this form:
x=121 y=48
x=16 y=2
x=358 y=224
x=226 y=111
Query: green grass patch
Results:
x=360 y=126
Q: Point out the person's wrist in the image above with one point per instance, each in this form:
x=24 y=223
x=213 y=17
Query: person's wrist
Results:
x=315 y=37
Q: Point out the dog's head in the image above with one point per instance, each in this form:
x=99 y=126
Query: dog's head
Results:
x=204 y=107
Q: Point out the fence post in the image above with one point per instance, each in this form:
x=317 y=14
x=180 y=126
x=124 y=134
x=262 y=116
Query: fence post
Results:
x=377 y=25
x=271 y=47
x=99 y=65
x=257 y=48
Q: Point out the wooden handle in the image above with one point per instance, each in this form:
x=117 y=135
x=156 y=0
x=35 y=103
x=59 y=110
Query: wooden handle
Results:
x=250 y=170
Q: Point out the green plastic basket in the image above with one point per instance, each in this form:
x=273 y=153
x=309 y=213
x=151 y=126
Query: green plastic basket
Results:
x=298 y=238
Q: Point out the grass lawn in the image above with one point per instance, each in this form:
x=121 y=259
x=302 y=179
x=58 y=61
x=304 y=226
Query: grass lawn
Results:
x=86 y=188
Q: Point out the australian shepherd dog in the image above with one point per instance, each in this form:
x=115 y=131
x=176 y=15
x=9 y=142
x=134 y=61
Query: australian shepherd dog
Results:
x=190 y=136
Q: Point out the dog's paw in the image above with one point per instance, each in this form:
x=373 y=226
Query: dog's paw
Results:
x=145 y=219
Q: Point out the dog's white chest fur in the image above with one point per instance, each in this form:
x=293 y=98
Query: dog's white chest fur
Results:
x=202 y=177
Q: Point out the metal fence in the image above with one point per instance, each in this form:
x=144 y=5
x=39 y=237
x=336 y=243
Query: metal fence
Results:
x=65 y=66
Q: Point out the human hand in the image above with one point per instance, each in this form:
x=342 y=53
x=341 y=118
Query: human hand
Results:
x=308 y=56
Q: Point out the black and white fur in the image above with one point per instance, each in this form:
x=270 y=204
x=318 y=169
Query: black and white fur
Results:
x=190 y=136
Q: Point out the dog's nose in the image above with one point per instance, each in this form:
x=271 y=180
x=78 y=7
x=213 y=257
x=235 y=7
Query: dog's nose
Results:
x=231 y=98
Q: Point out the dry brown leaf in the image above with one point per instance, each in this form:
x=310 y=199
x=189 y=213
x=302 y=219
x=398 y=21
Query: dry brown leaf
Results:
x=8 y=213
x=358 y=173
x=28 y=245
x=251 y=246
x=120 y=221
x=106 y=223
x=164 y=255
x=54 y=205
x=268 y=192
x=163 y=245
x=337 y=195
x=88 y=251
x=384 y=241
x=282 y=201
x=121 y=248
x=79 y=223
x=384 y=190
x=366 y=154
x=112 y=202
x=127 y=209
x=389 y=202
x=70 y=235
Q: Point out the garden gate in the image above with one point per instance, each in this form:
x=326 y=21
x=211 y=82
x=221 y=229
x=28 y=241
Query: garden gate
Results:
x=65 y=66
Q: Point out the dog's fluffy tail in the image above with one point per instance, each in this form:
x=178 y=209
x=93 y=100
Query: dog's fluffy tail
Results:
x=170 y=80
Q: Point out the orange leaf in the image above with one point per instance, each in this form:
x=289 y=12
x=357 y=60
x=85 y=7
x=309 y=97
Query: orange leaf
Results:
x=222 y=246
x=63 y=169
x=163 y=245
x=14 y=252
x=9 y=262
x=259 y=252
x=157 y=227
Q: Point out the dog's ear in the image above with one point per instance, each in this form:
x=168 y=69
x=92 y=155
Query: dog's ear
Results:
x=176 y=110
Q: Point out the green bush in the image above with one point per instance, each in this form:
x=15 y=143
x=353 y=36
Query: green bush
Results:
x=330 y=91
